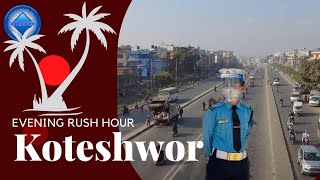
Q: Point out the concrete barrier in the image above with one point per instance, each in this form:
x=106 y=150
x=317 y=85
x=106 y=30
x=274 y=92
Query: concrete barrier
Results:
x=282 y=168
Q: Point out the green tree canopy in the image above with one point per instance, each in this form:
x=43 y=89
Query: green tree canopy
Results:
x=163 y=79
x=310 y=72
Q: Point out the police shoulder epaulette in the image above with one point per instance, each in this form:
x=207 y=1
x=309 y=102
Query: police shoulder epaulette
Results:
x=218 y=105
x=247 y=106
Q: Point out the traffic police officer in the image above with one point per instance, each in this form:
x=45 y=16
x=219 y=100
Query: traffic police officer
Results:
x=226 y=127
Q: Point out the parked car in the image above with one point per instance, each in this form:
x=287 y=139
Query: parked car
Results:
x=309 y=159
x=251 y=84
x=314 y=101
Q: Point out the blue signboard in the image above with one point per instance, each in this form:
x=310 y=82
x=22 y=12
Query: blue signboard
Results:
x=232 y=76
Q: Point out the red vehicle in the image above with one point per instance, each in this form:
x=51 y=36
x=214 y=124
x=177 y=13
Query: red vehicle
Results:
x=164 y=112
x=251 y=84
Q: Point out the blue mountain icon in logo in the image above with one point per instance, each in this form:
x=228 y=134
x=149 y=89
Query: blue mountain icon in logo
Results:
x=22 y=23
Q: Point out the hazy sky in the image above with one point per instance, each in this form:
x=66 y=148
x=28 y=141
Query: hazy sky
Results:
x=247 y=27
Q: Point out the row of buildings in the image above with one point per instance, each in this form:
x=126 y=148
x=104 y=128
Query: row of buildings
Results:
x=136 y=66
x=147 y=62
x=295 y=58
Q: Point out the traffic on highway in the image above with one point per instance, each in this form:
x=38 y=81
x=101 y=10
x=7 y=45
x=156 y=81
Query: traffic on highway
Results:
x=283 y=143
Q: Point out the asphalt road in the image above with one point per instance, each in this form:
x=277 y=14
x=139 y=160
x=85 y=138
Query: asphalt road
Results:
x=184 y=96
x=261 y=153
x=308 y=121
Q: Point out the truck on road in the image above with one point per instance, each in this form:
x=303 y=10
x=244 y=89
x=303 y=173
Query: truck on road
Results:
x=297 y=108
x=164 y=111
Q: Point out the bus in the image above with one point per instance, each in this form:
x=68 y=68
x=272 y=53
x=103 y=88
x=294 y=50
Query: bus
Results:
x=170 y=94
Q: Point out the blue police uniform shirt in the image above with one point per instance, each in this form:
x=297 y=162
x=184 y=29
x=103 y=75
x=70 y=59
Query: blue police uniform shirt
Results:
x=217 y=127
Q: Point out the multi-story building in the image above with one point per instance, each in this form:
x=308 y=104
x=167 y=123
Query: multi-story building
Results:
x=122 y=57
x=303 y=52
x=141 y=60
x=291 y=58
x=159 y=60
x=282 y=59
x=158 y=65
x=314 y=54
x=148 y=62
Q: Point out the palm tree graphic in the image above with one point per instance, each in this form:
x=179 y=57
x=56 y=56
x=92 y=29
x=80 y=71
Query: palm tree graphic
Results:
x=20 y=45
x=88 y=23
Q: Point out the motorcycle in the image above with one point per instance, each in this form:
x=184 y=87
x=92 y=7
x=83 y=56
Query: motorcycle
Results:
x=289 y=125
x=292 y=137
x=160 y=158
x=291 y=119
x=305 y=141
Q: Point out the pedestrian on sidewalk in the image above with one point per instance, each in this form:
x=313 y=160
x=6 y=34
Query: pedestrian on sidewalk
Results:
x=141 y=107
x=215 y=88
x=148 y=121
x=226 y=127
x=180 y=111
x=203 y=106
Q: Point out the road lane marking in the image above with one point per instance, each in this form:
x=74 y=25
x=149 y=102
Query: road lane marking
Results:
x=178 y=163
x=270 y=133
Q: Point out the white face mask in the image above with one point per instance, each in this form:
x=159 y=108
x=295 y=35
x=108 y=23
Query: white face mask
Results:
x=231 y=94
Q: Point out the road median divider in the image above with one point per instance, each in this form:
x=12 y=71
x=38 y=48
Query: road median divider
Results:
x=282 y=167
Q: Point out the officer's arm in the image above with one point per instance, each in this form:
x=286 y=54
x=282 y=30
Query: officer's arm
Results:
x=250 y=123
x=207 y=131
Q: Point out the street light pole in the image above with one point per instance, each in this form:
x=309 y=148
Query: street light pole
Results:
x=176 y=71
x=151 y=72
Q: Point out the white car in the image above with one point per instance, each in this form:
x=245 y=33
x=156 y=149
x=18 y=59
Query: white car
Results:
x=295 y=96
x=276 y=81
x=314 y=101
x=309 y=159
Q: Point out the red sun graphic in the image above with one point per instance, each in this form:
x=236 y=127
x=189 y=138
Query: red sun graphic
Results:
x=54 y=69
